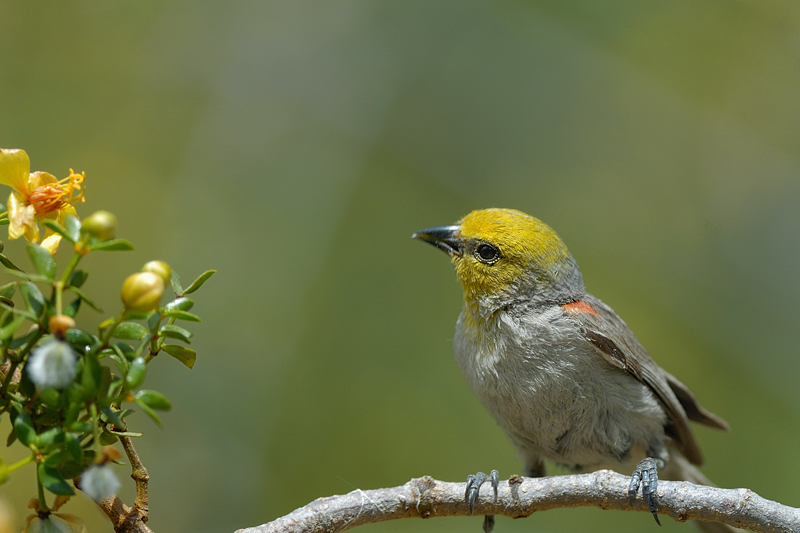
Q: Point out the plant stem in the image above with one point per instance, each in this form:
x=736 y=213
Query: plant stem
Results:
x=95 y=429
x=42 y=502
x=20 y=463
x=109 y=332
x=73 y=262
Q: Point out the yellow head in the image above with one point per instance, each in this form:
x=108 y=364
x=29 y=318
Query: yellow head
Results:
x=502 y=255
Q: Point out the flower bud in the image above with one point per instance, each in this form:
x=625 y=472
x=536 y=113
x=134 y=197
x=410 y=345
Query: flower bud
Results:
x=142 y=291
x=100 y=224
x=99 y=482
x=159 y=268
x=59 y=324
x=52 y=365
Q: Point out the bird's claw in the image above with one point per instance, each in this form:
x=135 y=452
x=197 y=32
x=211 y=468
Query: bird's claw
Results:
x=646 y=475
x=488 y=523
x=474 y=483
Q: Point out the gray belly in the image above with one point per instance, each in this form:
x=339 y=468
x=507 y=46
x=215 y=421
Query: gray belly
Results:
x=563 y=402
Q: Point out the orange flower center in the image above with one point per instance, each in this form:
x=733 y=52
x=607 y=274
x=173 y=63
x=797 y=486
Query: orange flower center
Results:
x=56 y=196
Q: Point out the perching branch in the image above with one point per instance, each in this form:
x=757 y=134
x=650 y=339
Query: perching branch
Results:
x=426 y=497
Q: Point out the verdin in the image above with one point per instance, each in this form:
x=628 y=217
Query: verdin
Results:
x=559 y=371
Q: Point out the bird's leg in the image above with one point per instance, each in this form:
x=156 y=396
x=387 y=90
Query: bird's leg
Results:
x=474 y=483
x=646 y=475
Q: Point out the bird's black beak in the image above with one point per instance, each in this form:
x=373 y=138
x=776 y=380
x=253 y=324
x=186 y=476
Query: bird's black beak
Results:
x=445 y=238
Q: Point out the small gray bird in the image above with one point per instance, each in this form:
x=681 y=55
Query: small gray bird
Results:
x=558 y=370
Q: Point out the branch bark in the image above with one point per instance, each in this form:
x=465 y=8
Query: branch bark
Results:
x=426 y=497
x=130 y=519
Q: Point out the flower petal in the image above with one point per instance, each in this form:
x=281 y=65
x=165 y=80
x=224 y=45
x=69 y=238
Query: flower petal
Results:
x=68 y=523
x=21 y=219
x=62 y=213
x=54 y=523
x=39 y=178
x=15 y=167
x=51 y=241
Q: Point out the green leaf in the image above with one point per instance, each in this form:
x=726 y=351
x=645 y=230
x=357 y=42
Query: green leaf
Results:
x=107 y=438
x=7 y=332
x=58 y=458
x=85 y=299
x=72 y=309
x=105 y=324
x=181 y=304
x=175 y=332
x=202 y=278
x=113 y=417
x=30 y=277
x=112 y=246
x=92 y=377
x=154 y=319
x=43 y=441
x=130 y=331
x=6 y=262
x=42 y=261
x=73 y=227
x=23 y=428
x=26 y=386
x=22 y=312
x=26 y=338
x=153 y=399
x=126 y=433
x=58 y=228
x=73 y=469
x=53 y=481
x=125 y=413
x=49 y=396
x=78 y=278
x=149 y=412
x=185 y=355
x=33 y=297
x=175 y=281
x=73 y=445
x=8 y=290
x=126 y=350
x=79 y=339
x=116 y=355
x=136 y=373
x=182 y=315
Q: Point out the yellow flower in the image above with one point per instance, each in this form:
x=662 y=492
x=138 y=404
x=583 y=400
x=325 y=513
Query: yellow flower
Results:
x=36 y=196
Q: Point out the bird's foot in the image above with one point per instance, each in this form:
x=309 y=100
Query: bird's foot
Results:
x=474 y=483
x=646 y=475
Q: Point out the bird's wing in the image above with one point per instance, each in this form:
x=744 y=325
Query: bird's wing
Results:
x=693 y=409
x=612 y=338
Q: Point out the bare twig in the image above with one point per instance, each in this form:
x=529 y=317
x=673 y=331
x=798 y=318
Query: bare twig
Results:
x=426 y=497
x=130 y=519
x=140 y=476
x=124 y=519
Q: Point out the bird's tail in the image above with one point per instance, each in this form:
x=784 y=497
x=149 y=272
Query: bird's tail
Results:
x=679 y=469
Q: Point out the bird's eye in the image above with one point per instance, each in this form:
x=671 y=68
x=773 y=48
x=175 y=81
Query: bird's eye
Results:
x=487 y=253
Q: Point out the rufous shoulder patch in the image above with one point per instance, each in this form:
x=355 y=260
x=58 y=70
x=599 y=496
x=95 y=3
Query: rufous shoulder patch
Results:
x=579 y=307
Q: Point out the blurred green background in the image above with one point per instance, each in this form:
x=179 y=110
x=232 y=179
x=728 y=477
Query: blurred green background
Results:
x=295 y=146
